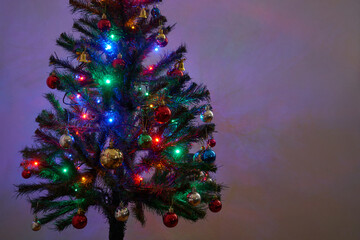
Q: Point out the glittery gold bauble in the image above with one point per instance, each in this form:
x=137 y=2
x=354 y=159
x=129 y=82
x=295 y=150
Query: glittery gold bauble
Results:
x=194 y=198
x=111 y=158
x=36 y=225
x=122 y=214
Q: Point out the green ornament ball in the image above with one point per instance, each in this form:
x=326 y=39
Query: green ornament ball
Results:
x=145 y=141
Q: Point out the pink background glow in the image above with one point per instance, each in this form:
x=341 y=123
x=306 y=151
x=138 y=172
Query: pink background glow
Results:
x=284 y=77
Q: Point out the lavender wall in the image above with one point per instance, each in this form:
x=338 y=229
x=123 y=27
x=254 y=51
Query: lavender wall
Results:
x=284 y=77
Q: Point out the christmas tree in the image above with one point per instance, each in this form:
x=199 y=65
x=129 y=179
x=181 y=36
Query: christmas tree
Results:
x=120 y=139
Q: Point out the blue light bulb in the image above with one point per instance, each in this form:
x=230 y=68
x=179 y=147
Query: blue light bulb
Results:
x=156 y=49
x=108 y=47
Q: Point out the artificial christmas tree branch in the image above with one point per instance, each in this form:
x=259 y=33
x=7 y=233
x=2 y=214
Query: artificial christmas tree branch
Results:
x=121 y=139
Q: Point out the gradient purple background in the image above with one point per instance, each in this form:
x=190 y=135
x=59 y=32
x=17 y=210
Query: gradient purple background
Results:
x=284 y=77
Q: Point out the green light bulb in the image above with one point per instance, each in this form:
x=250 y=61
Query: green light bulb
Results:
x=147 y=94
x=177 y=151
x=112 y=36
x=107 y=81
x=65 y=170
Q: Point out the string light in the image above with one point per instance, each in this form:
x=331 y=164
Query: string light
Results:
x=111 y=117
x=146 y=94
x=107 y=81
x=157 y=139
x=84 y=116
x=108 y=47
x=156 y=49
x=112 y=36
x=151 y=105
x=177 y=151
x=65 y=170
x=151 y=68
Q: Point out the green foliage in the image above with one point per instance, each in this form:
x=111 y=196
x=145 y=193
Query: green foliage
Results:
x=74 y=178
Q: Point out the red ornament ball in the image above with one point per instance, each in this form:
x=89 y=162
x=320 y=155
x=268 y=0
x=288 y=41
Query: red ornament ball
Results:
x=170 y=219
x=162 y=114
x=212 y=142
x=79 y=221
x=53 y=81
x=104 y=24
x=175 y=73
x=118 y=62
x=215 y=205
x=26 y=174
x=163 y=43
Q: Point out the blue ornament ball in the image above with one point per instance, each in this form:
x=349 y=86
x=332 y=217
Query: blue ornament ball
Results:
x=155 y=12
x=197 y=156
x=208 y=156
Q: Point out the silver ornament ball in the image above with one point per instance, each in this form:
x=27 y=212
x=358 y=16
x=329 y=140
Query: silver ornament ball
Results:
x=66 y=140
x=207 y=116
x=194 y=198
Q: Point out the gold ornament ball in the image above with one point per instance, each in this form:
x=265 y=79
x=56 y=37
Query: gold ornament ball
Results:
x=194 y=198
x=66 y=140
x=111 y=158
x=207 y=116
x=35 y=226
x=122 y=214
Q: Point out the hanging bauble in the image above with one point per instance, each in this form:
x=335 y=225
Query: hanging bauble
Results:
x=162 y=114
x=26 y=174
x=197 y=156
x=211 y=142
x=145 y=141
x=170 y=219
x=194 y=198
x=36 y=225
x=161 y=38
x=104 y=24
x=207 y=116
x=203 y=176
x=143 y=13
x=122 y=213
x=155 y=12
x=163 y=43
x=209 y=180
x=208 y=156
x=176 y=73
x=79 y=221
x=111 y=158
x=215 y=205
x=53 y=81
x=180 y=65
x=118 y=62
x=66 y=140
x=84 y=57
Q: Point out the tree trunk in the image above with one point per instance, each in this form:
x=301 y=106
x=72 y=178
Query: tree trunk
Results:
x=117 y=230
